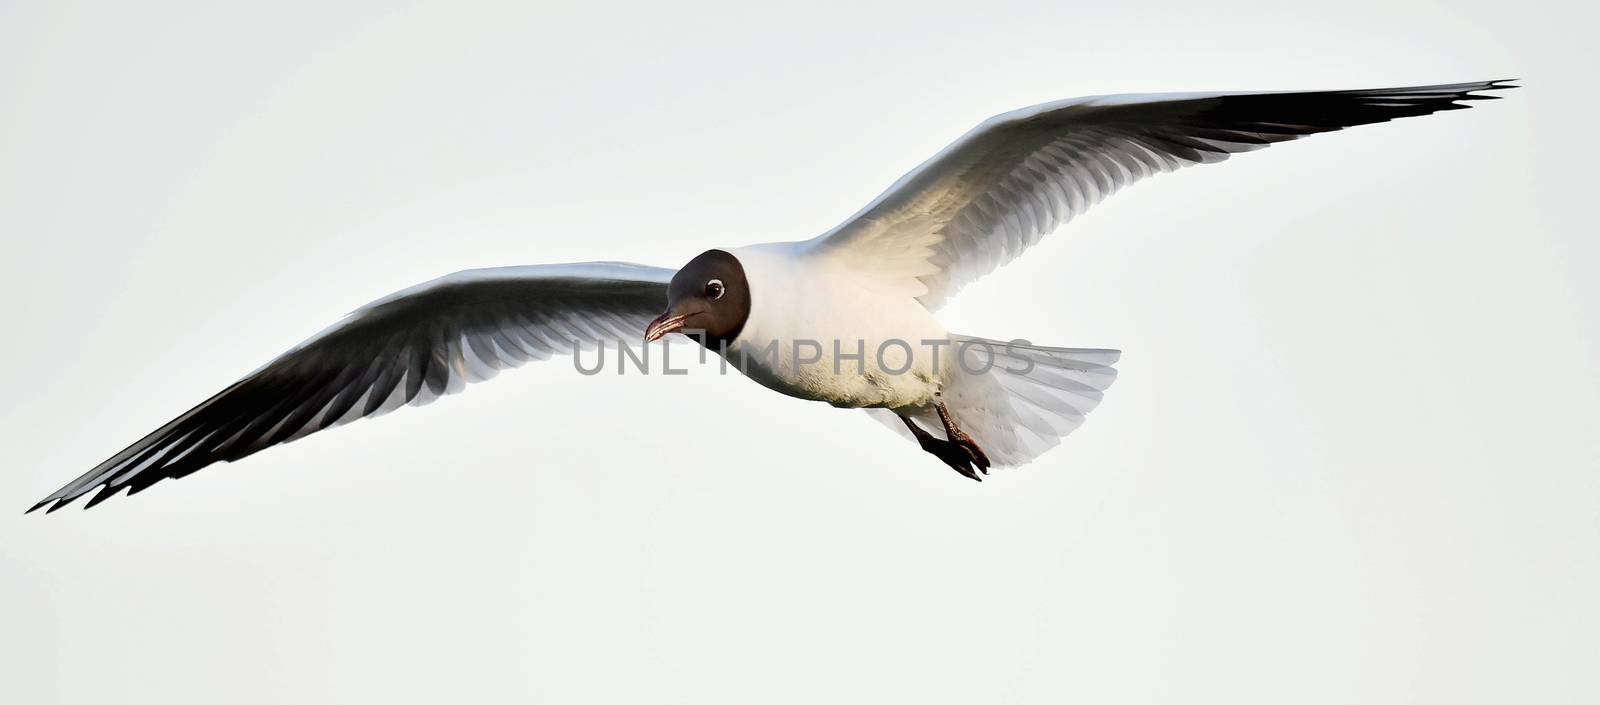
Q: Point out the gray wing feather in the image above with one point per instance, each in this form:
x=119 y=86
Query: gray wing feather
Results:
x=1004 y=185
x=407 y=348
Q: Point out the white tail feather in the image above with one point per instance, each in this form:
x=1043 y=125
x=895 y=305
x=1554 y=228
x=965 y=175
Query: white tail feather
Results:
x=1023 y=403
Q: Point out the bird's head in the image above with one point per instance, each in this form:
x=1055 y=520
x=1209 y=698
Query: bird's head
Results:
x=708 y=300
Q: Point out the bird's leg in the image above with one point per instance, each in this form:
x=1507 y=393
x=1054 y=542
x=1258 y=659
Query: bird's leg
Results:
x=961 y=439
x=959 y=452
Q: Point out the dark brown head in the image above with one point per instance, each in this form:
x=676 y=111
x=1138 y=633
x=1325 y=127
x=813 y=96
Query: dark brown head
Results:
x=708 y=300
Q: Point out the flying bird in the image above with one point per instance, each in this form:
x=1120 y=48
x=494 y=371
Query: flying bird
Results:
x=862 y=295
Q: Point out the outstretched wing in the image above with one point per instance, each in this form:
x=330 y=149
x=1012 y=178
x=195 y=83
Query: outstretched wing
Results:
x=1001 y=187
x=408 y=348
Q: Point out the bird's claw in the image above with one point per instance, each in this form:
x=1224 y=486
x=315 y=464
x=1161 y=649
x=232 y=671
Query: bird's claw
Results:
x=964 y=457
x=959 y=451
x=973 y=452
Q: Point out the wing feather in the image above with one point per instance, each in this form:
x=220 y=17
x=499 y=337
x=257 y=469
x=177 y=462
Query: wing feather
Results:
x=408 y=348
x=982 y=201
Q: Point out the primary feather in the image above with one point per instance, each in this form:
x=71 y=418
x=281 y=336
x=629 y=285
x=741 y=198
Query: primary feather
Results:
x=408 y=348
x=1012 y=180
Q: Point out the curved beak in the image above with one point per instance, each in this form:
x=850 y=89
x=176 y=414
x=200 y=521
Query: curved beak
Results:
x=664 y=324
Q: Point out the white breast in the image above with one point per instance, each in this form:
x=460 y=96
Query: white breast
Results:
x=811 y=319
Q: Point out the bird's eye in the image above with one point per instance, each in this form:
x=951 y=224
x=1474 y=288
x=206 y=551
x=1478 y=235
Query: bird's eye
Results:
x=714 y=289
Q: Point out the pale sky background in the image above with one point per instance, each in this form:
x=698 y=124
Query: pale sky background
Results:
x=1351 y=457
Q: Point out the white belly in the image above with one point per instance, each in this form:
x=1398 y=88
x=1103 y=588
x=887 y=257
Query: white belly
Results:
x=819 y=332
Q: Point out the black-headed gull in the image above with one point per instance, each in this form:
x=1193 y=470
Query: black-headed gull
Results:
x=845 y=318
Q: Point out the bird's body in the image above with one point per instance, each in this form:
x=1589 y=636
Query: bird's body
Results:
x=841 y=340
x=845 y=318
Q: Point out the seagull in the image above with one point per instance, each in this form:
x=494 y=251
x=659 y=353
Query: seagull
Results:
x=861 y=297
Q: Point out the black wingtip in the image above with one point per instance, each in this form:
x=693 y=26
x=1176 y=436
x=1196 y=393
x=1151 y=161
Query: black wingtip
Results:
x=1462 y=94
x=1499 y=84
x=106 y=492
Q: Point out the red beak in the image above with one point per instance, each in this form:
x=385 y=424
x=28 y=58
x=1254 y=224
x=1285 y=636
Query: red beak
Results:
x=664 y=324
